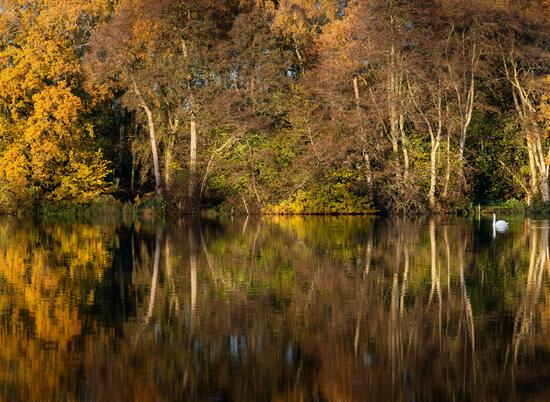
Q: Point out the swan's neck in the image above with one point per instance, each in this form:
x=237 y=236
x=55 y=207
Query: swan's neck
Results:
x=494 y=218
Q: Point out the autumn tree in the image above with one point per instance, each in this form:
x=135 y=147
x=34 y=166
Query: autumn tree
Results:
x=47 y=139
x=525 y=64
x=280 y=106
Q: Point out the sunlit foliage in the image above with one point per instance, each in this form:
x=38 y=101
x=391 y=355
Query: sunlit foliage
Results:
x=45 y=134
x=260 y=105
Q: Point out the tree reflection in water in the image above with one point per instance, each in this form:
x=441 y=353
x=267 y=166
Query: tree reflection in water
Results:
x=279 y=309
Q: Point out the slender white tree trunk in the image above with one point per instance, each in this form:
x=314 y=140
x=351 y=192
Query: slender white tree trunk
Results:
x=467 y=109
x=366 y=156
x=436 y=143
x=173 y=124
x=433 y=174
x=527 y=113
x=192 y=132
x=154 y=149
x=153 y=140
x=393 y=112
x=406 y=162
x=193 y=157
x=448 y=165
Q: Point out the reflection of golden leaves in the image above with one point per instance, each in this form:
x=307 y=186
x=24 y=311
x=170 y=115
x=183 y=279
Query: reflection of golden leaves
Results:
x=44 y=284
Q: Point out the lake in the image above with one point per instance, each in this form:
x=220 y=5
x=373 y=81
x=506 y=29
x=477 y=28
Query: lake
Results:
x=275 y=309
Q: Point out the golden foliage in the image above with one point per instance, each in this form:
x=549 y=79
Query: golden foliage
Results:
x=43 y=134
x=14 y=185
x=84 y=181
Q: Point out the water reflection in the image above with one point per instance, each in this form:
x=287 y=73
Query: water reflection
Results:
x=280 y=309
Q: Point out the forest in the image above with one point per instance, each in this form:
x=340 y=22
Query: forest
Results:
x=275 y=106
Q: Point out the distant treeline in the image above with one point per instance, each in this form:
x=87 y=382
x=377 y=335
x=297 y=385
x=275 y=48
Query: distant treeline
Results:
x=280 y=106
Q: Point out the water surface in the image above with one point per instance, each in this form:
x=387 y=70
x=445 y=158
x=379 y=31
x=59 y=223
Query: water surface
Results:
x=275 y=309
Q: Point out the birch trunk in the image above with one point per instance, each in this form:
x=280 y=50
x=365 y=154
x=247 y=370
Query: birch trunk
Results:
x=467 y=108
x=154 y=150
x=173 y=124
x=527 y=114
x=448 y=165
x=193 y=157
x=406 y=162
x=433 y=173
x=366 y=156
x=436 y=143
x=393 y=99
x=192 y=132
x=153 y=140
x=435 y=137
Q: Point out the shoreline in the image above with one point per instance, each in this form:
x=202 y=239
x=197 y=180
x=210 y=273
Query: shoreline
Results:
x=150 y=211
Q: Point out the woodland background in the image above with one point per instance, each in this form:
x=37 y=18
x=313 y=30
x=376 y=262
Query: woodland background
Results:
x=280 y=106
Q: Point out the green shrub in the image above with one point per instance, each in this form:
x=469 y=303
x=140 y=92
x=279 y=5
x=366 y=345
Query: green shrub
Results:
x=340 y=192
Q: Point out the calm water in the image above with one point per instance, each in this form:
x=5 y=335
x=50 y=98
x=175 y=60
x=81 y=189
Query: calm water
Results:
x=277 y=309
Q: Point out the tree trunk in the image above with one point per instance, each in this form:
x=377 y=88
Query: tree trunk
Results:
x=527 y=113
x=193 y=158
x=406 y=162
x=465 y=89
x=173 y=124
x=394 y=120
x=544 y=189
x=433 y=174
x=153 y=139
x=133 y=172
x=543 y=169
x=154 y=149
x=448 y=166
x=435 y=131
x=436 y=143
x=463 y=131
x=368 y=174
x=366 y=156
x=193 y=134
x=466 y=114
x=168 y=152
x=393 y=99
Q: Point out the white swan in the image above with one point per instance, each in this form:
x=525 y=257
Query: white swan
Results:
x=499 y=226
